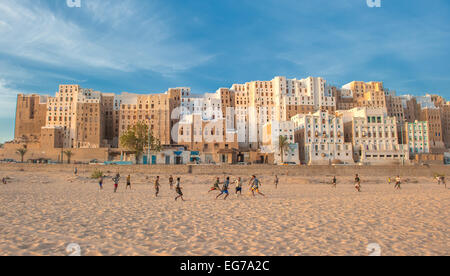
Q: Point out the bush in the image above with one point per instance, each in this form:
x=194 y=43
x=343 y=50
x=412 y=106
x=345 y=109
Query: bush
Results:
x=96 y=174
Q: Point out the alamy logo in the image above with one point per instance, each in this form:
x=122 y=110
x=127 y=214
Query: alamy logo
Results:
x=74 y=3
x=73 y=249
x=374 y=3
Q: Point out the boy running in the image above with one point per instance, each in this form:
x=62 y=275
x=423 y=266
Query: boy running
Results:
x=157 y=186
x=357 y=183
x=178 y=190
x=254 y=186
x=216 y=186
x=226 y=184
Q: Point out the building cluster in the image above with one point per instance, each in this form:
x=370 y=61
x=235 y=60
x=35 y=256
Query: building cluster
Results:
x=321 y=124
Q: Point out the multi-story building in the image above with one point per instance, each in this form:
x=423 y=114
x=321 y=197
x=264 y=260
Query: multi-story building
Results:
x=232 y=124
x=411 y=109
x=260 y=102
x=155 y=110
x=416 y=137
x=30 y=117
x=445 y=118
x=79 y=112
x=52 y=137
x=110 y=113
x=321 y=139
x=370 y=94
x=344 y=99
x=272 y=132
x=432 y=116
x=374 y=136
x=438 y=101
x=208 y=136
x=425 y=101
x=90 y=120
x=394 y=107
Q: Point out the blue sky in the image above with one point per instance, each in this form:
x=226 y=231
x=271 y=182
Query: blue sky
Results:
x=147 y=46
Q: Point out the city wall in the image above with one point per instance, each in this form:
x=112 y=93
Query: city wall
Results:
x=9 y=151
x=241 y=170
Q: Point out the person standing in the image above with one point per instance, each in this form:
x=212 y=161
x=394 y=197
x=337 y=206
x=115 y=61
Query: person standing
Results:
x=171 y=182
x=128 y=182
x=398 y=182
x=238 y=183
x=334 y=182
x=116 y=180
x=358 y=183
x=75 y=171
x=157 y=186
x=100 y=182
x=276 y=181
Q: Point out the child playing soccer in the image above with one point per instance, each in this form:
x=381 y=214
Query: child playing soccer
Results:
x=216 y=186
x=178 y=190
x=254 y=186
x=224 y=191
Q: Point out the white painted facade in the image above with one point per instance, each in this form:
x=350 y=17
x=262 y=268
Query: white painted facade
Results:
x=374 y=136
x=321 y=139
x=271 y=136
x=417 y=137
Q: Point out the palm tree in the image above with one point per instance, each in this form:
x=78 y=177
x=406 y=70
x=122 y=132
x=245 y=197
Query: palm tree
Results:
x=22 y=153
x=283 y=146
x=69 y=155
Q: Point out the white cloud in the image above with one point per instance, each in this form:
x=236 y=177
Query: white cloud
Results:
x=341 y=52
x=114 y=35
x=8 y=98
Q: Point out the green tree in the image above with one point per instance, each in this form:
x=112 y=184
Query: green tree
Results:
x=22 y=153
x=283 y=146
x=68 y=154
x=135 y=139
x=155 y=144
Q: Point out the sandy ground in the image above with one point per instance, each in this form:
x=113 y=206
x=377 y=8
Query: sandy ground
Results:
x=41 y=213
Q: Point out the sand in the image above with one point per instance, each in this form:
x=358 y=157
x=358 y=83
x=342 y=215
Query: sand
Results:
x=42 y=213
